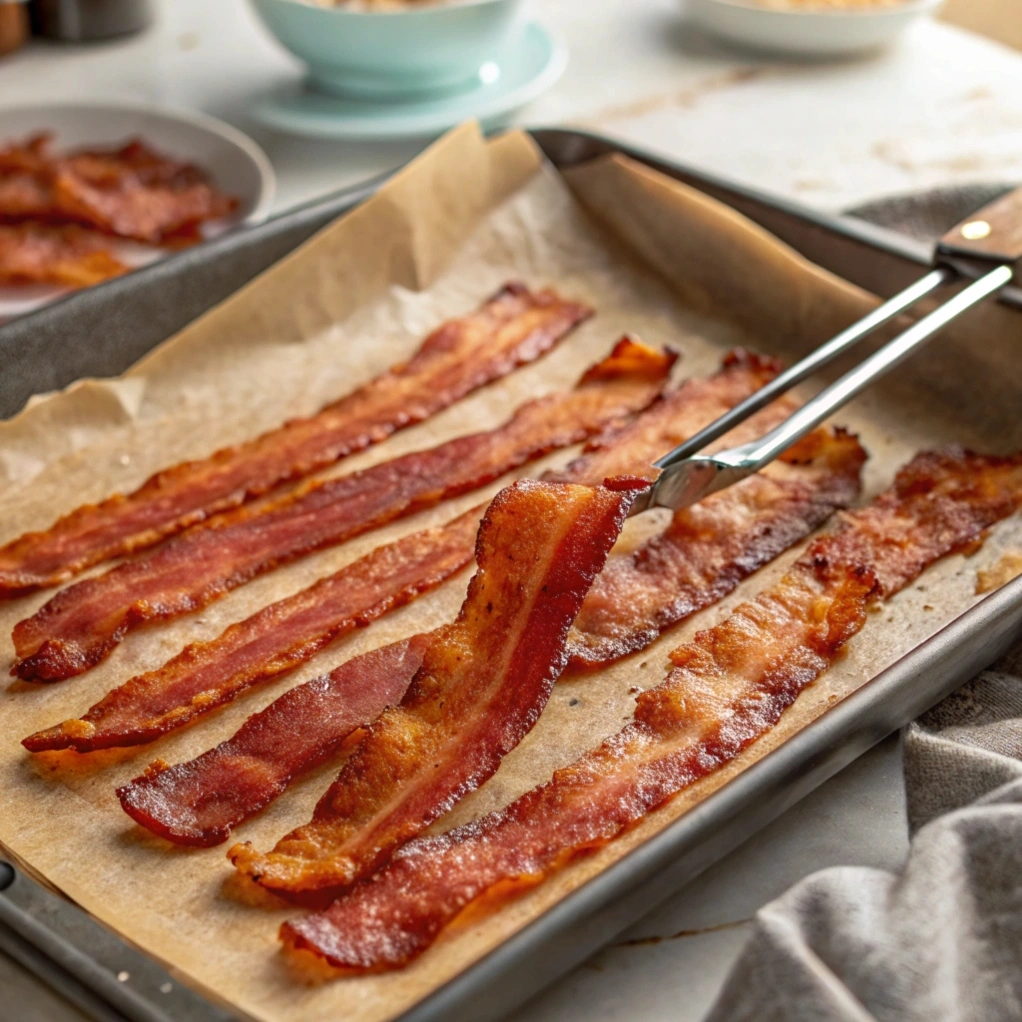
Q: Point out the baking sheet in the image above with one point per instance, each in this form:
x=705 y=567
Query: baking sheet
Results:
x=452 y=228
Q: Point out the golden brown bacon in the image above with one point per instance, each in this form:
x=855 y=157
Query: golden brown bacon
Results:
x=83 y=623
x=483 y=682
x=514 y=327
x=199 y=802
x=728 y=687
x=206 y=675
x=706 y=550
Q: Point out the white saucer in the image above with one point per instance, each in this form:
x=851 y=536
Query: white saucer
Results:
x=526 y=70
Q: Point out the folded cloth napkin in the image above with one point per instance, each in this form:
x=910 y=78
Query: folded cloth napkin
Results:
x=941 y=940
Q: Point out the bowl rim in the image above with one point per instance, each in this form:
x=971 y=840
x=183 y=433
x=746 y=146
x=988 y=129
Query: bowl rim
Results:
x=206 y=122
x=427 y=9
x=901 y=8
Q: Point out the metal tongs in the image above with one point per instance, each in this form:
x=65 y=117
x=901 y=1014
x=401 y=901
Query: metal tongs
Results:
x=990 y=238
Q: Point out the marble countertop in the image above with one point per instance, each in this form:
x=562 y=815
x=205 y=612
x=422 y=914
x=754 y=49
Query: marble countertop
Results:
x=941 y=107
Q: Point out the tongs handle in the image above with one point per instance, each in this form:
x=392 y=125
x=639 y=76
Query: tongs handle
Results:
x=992 y=235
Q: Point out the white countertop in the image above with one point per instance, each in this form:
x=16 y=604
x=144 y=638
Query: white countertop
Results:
x=940 y=107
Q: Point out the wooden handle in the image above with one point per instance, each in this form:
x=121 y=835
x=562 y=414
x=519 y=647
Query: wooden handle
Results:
x=994 y=233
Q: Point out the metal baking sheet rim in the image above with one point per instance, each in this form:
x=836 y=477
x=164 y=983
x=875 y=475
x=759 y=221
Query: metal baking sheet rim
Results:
x=591 y=916
x=596 y=912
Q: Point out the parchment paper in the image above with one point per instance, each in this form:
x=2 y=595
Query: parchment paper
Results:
x=657 y=260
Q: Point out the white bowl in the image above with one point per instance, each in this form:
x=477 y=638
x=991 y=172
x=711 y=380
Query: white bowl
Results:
x=237 y=165
x=807 y=32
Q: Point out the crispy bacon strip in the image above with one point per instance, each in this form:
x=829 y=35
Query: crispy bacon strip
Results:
x=82 y=624
x=206 y=675
x=199 y=802
x=483 y=682
x=842 y=457
x=728 y=687
x=68 y=255
x=513 y=328
x=708 y=549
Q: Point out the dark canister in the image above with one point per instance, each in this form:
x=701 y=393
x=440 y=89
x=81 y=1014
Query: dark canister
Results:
x=85 y=20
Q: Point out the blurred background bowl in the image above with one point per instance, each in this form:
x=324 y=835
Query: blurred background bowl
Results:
x=819 y=32
x=395 y=52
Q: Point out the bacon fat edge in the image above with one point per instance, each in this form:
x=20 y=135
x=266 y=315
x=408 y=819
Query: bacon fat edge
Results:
x=514 y=327
x=483 y=682
x=81 y=625
x=727 y=688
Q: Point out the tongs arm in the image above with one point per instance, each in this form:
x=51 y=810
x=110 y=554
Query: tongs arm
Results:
x=816 y=360
x=686 y=479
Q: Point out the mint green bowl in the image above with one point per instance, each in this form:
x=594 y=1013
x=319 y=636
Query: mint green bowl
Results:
x=430 y=48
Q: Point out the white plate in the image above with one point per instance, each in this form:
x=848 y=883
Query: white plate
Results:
x=807 y=32
x=529 y=66
x=237 y=165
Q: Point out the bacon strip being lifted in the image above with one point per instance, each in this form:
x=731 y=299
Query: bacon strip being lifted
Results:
x=483 y=682
x=709 y=548
x=82 y=624
x=199 y=802
x=728 y=687
x=513 y=328
x=206 y=675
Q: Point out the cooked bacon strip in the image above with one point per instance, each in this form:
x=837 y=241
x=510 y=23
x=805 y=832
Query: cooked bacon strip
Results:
x=135 y=192
x=199 y=802
x=483 y=682
x=68 y=255
x=513 y=328
x=728 y=687
x=83 y=623
x=209 y=778
x=206 y=675
x=708 y=549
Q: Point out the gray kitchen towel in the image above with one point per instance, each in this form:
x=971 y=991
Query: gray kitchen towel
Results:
x=942 y=939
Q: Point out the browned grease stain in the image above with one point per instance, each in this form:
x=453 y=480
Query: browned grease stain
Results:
x=1000 y=574
x=686 y=98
